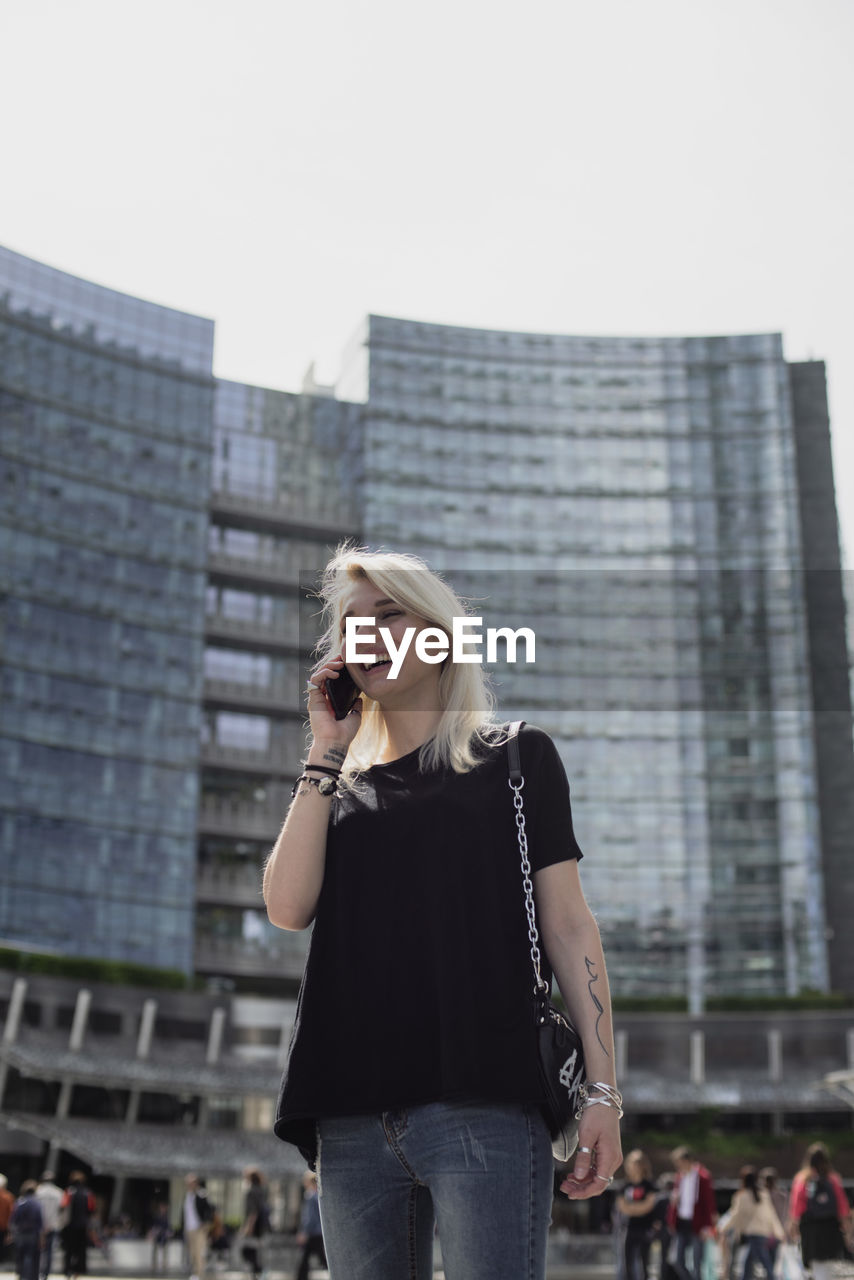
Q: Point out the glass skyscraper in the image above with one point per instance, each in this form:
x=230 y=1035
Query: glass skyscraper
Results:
x=105 y=438
x=645 y=505
x=660 y=511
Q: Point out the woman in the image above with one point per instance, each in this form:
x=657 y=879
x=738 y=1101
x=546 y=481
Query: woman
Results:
x=412 y=1077
x=819 y=1213
x=636 y=1201
x=753 y=1218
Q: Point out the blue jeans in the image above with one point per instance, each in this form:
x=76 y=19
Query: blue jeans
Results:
x=47 y=1253
x=482 y=1173
x=758 y=1250
x=27 y=1258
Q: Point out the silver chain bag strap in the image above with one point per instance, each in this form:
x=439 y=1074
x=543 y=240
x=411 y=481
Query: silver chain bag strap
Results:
x=560 y=1055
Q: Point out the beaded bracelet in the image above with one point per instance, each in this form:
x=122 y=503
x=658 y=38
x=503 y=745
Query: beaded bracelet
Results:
x=325 y=786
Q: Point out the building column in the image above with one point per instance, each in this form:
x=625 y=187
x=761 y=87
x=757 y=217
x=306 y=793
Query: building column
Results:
x=214 y=1049
x=698 y=1057
x=143 y=1049
x=775 y=1055
x=75 y=1044
x=775 y=1073
x=12 y=1025
x=621 y=1054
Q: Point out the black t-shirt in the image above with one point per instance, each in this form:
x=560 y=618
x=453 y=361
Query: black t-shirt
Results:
x=418 y=984
x=633 y=1193
x=255 y=1206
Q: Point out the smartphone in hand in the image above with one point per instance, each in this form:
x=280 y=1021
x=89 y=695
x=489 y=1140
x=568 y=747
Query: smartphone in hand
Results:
x=341 y=694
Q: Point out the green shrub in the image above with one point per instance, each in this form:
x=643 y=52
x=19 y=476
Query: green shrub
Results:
x=649 y=1004
x=91 y=969
x=803 y=1000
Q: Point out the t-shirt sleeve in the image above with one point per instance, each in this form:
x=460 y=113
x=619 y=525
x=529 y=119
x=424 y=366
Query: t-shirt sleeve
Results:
x=548 y=813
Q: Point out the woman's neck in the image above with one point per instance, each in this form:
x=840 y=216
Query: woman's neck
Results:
x=407 y=730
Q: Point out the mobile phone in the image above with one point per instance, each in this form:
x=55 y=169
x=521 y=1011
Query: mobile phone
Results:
x=341 y=694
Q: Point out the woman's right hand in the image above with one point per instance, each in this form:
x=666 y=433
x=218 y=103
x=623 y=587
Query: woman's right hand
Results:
x=329 y=734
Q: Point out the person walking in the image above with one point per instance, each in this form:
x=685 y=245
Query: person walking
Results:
x=160 y=1233
x=256 y=1221
x=197 y=1215
x=310 y=1234
x=693 y=1212
x=79 y=1205
x=49 y=1197
x=412 y=1080
x=636 y=1202
x=819 y=1213
x=26 y=1225
x=753 y=1219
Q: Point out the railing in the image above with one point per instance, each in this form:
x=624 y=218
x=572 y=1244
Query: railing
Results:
x=283 y=956
x=284 y=694
x=238 y=885
x=278 y=632
x=281 y=568
x=280 y=758
x=325 y=518
x=261 y=821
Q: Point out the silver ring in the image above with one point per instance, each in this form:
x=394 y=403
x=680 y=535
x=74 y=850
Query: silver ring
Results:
x=585 y=1151
x=604 y=1179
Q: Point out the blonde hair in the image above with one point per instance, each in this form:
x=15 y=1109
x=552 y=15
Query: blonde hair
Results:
x=465 y=698
x=642 y=1159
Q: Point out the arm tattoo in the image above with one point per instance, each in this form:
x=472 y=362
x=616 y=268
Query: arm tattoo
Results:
x=594 y=977
x=335 y=755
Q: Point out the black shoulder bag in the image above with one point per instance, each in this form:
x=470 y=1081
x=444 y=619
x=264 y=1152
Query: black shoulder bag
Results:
x=560 y=1054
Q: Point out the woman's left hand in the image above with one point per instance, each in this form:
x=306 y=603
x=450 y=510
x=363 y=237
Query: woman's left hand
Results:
x=599 y=1153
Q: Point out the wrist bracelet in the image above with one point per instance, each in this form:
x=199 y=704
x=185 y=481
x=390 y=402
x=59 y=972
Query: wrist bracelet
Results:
x=325 y=786
x=599 y=1102
x=609 y=1091
x=322 y=768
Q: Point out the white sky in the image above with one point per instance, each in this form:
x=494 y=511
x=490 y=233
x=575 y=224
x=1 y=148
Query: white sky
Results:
x=595 y=167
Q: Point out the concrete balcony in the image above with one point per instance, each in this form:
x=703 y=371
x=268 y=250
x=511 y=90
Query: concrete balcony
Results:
x=284 y=696
x=237 y=885
x=294 y=514
x=243 y=821
x=238 y=957
x=280 y=635
x=280 y=759
x=274 y=571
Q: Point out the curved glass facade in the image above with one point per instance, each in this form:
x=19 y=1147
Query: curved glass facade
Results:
x=659 y=511
x=105 y=436
x=632 y=500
